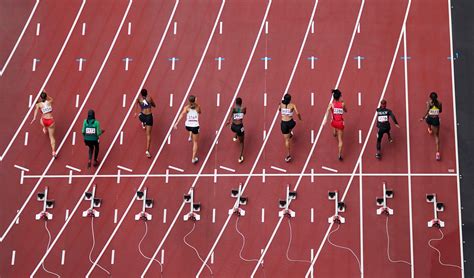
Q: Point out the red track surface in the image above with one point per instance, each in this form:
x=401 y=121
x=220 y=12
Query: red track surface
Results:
x=408 y=165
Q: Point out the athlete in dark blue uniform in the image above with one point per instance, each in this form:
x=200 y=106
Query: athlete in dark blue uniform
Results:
x=236 y=117
x=144 y=105
x=383 y=125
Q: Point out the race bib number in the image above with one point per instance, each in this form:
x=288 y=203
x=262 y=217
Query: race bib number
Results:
x=383 y=119
x=433 y=112
x=46 y=109
x=338 y=111
x=238 y=116
x=90 y=131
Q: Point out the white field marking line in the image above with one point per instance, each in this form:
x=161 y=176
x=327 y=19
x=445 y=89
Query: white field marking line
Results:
x=121 y=138
x=175 y=28
x=312 y=27
x=278 y=169
x=367 y=138
x=218 y=100
x=361 y=222
x=112 y=257
x=176 y=168
x=83 y=32
x=213 y=215
x=262 y=218
x=33 y=67
x=115 y=216
x=13 y=257
x=312 y=98
x=360 y=136
x=21 y=168
x=456 y=138
x=171 y=100
x=63 y=256
x=410 y=207
x=227 y=169
x=164 y=218
x=38 y=28
x=124 y=100
x=359 y=98
x=73 y=168
x=125 y=168
x=329 y=169
x=312 y=215
x=116 y=135
x=129 y=29
x=66 y=216
x=73 y=138
x=67 y=134
x=220 y=28
x=26 y=138
x=45 y=82
x=265 y=99
x=263 y=174
x=21 y=36
x=77 y=100
x=219 y=131
x=30 y=101
x=315 y=140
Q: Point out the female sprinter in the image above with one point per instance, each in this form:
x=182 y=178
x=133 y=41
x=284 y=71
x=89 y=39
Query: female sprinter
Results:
x=144 y=105
x=337 y=108
x=47 y=121
x=287 y=108
x=192 y=111
x=236 y=117
x=91 y=131
x=433 y=108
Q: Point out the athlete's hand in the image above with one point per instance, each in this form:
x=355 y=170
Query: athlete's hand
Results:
x=397 y=125
x=103 y=130
x=227 y=124
x=135 y=115
x=175 y=126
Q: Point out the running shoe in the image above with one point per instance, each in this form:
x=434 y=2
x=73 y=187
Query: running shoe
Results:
x=390 y=140
x=339 y=157
x=241 y=159
x=89 y=164
x=54 y=154
x=378 y=156
x=147 y=153
x=195 y=160
x=288 y=159
x=430 y=131
x=234 y=138
x=438 y=156
x=96 y=163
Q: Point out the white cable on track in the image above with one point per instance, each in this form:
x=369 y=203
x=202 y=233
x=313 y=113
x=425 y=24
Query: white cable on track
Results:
x=92 y=249
x=49 y=242
x=439 y=252
x=343 y=247
x=288 y=249
x=388 y=247
x=140 y=249
x=243 y=243
x=194 y=248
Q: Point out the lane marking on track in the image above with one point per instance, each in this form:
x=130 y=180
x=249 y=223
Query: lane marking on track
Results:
x=127 y=61
x=266 y=27
x=63 y=256
x=359 y=59
x=80 y=61
x=227 y=169
x=66 y=215
x=265 y=61
x=218 y=101
x=83 y=32
x=171 y=100
x=358 y=28
x=175 y=168
x=312 y=215
x=264 y=134
x=124 y=168
x=162 y=256
x=361 y=222
x=124 y=100
x=329 y=169
x=129 y=29
x=167 y=174
x=360 y=136
x=220 y=28
x=13 y=257
x=215 y=175
x=30 y=101
x=312 y=136
x=121 y=138
x=175 y=28
x=359 y=98
x=264 y=99
x=312 y=98
x=26 y=139
x=312 y=175
x=312 y=27
x=20 y=37
x=212 y=258
x=35 y=61
x=263 y=175
x=18 y=219
x=77 y=100
x=213 y=215
x=173 y=62
x=263 y=215
x=278 y=169
x=73 y=138
x=115 y=216
x=164 y=216
x=112 y=257
x=73 y=168
x=38 y=28
x=219 y=62
x=25 y=118
x=21 y=168
x=169 y=139
x=311 y=60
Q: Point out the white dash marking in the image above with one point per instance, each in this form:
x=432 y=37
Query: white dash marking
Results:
x=164 y=215
x=359 y=98
x=266 y=27
x=34 y=64
x=126 y=63
x=312 y=27
x=227 y=169
x=21 y=168
x=213 y=215
x=263 y=215
x=175 y=28
x=220 y=28
x=115 y=216
x=263 y=175
x=119 y=172
x=112 y=257
x=124 y=168
x=124 y=100
x=169 y=139
x=329 y=169
x=162 y=256
x=63 y=256
x=312 y=98
x=13 y=257
x=312 y=215
x=360 y=136
x=66 y=216
x=121 y=137
x=77 y=100
x=264 y=134
x=80 y=63
x=312 y=175
x=278 y=169
x=176 y=168
x=83 y=32
x=215 y=175
x=358 y=62
x=358 y=28
x=167 y=175
x=312 y=136
x=18 y=218
x=26 y=138
x=38 y=27
x=451 y=170
x=171 y=100
x=73 y=168
x=218 y=99
x=212 y=258
x=129 y=29
x=73 y=138
x=265 y=99
x=30 y=101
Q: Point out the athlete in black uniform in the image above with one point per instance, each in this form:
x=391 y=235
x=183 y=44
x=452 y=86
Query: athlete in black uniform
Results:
x=144 y=105
x=236 y=116
x=383 y=125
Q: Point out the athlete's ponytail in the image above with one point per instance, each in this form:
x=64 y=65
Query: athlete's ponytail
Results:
x=43 y=96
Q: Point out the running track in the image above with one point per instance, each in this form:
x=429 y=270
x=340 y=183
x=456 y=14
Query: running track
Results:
x=406 y=54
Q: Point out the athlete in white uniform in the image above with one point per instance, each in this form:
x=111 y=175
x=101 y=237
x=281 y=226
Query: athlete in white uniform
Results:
x=191 y=111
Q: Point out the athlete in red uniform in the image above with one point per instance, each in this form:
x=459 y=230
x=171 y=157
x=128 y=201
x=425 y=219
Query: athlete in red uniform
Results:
x=337 y=108
x=45 y=104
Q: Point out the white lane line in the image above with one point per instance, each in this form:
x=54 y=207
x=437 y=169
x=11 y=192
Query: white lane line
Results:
x=30 y=101
x=38 y=28
x=220 y=28
x=26 y=139
x=63 y=256
x=265 y=99
x=162 y=256
x=169 y=139
x=121 y=138
x=359 y=98
x=266 y=27
x=278 y=169
x=13 y=257
x=329 y=169
x=115 y=216
x=73 y=168
x=312 y=215
x=21 y=168
x=263 y=175
x=360 y=136
x=66 y=215
x=167 y=175
x=129 y=29
x=175 y=28
x=18 y=219
x=312 y=98
x=264 y=135
x=312 y=175
x=80 y=60
x=20 y=37
x=35 y=61
x=45 y=82
x=112 y=257
x=227 y=169
x=361 y=221
x=175 y=168
x=213 y=215
x=124 y=168
x=367 y=138
x=312 y=136
x=219 y=62
x=212 y=258
x=124 y=100
x=218 y=100
x=171 y=100
x=358 y=28
x=83 y=32
x=164 y=216
x=312 y=27
x=73 y=138
x=77 y=100
x=215 y=176
x=263 y=215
